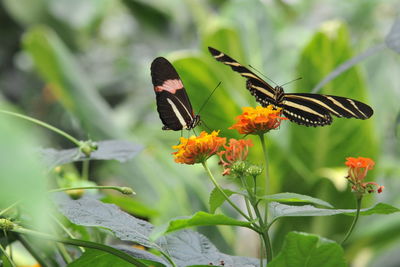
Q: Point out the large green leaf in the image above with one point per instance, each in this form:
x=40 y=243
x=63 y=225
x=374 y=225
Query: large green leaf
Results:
x=293 y=197
x=279 y=210
x=97 y=258
x=198 y=219
x=22 y=176
x=67 y=80
x=91 y=212
x=187 y=248
x=217 y=198
x=119 y=150
x=301 y=249
x=328 y=146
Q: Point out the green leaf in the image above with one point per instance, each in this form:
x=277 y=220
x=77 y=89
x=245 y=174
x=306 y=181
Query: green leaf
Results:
x=148 y=14
x=328 y=146
x=217 y=198
x=118 y=150
x=130 y=205
x=97 y=258
x=281 y=210
x=68 y=83
x=200 y=218
x=92 y=212
x=5 y=262
x=293 y=197
x=191 y=248
x=302 y=249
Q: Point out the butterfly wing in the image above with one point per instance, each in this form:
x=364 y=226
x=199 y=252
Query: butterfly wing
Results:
x=173 y=104
x=316 y=110
x=260 y=89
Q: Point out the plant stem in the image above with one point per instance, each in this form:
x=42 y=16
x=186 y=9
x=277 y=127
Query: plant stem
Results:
x=85 y=170
x=82 y=243
x=223 y=193
x=168 y=258
x=264 y=236
x=9 y=207
x=246 y=199
x=43 y=124
x=7 y=256
x=353 y=224
x=123 y=190
x=64 y=253
x=65 y=230
x=267 y=241
x=32 y=251
x=261 y=251
x=264 y=148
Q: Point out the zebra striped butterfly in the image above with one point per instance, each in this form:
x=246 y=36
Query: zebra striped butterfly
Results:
x=302 y=108
x=173 y=104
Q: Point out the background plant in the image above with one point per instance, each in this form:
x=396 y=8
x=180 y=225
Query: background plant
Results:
x=77 y=68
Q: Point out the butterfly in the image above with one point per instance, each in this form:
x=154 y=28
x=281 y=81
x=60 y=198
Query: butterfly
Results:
x=302 y=108
x=173 y=104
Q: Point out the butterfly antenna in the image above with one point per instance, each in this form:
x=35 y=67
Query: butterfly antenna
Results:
x=208 y=98
x=292 y=81
x=208 y=128
x=259 y=72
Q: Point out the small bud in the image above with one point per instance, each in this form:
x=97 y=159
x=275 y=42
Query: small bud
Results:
x=87 y=147
x=75 y=193
x=254 y=170
x=239 y=168
x=126 y=190
x=6 y=225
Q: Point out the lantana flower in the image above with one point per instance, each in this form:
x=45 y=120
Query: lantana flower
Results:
x=358 y=169
x=197 y=149
x=258 y=120
x=236 y=151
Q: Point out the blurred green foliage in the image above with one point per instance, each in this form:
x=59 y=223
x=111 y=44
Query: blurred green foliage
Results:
x=83 y=66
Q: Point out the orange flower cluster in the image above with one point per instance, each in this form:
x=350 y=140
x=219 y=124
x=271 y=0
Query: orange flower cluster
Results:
x=197 y=149
x=358 y=169
x=258 y=120
x=236 y=151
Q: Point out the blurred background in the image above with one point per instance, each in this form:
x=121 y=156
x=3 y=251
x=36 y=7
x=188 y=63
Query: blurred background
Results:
x=84 y=67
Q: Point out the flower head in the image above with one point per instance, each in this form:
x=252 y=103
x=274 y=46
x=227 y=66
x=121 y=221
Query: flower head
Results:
x=197 y=149
x=358 y=169
x=236 y=151
x=258 y=120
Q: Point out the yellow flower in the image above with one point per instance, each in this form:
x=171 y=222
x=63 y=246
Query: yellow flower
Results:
x=258 y=120
x=197 y=149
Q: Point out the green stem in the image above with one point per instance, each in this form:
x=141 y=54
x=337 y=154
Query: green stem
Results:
x=261 y=251
x=7 y=256
x=35 y=254
x=264 y=234
x=267 y=241
x=82 y=243
x=65 y=230
x=223 y=193
x=9 y=207
x=353 y=224
x=64 y=253
x=246 y=199
x=264 y=148
x=45 y=125
x=123 y=189
x=168 y=258
x=85 y=170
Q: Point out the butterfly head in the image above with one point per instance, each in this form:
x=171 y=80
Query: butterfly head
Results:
x=279 y=94
x=196 y=121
